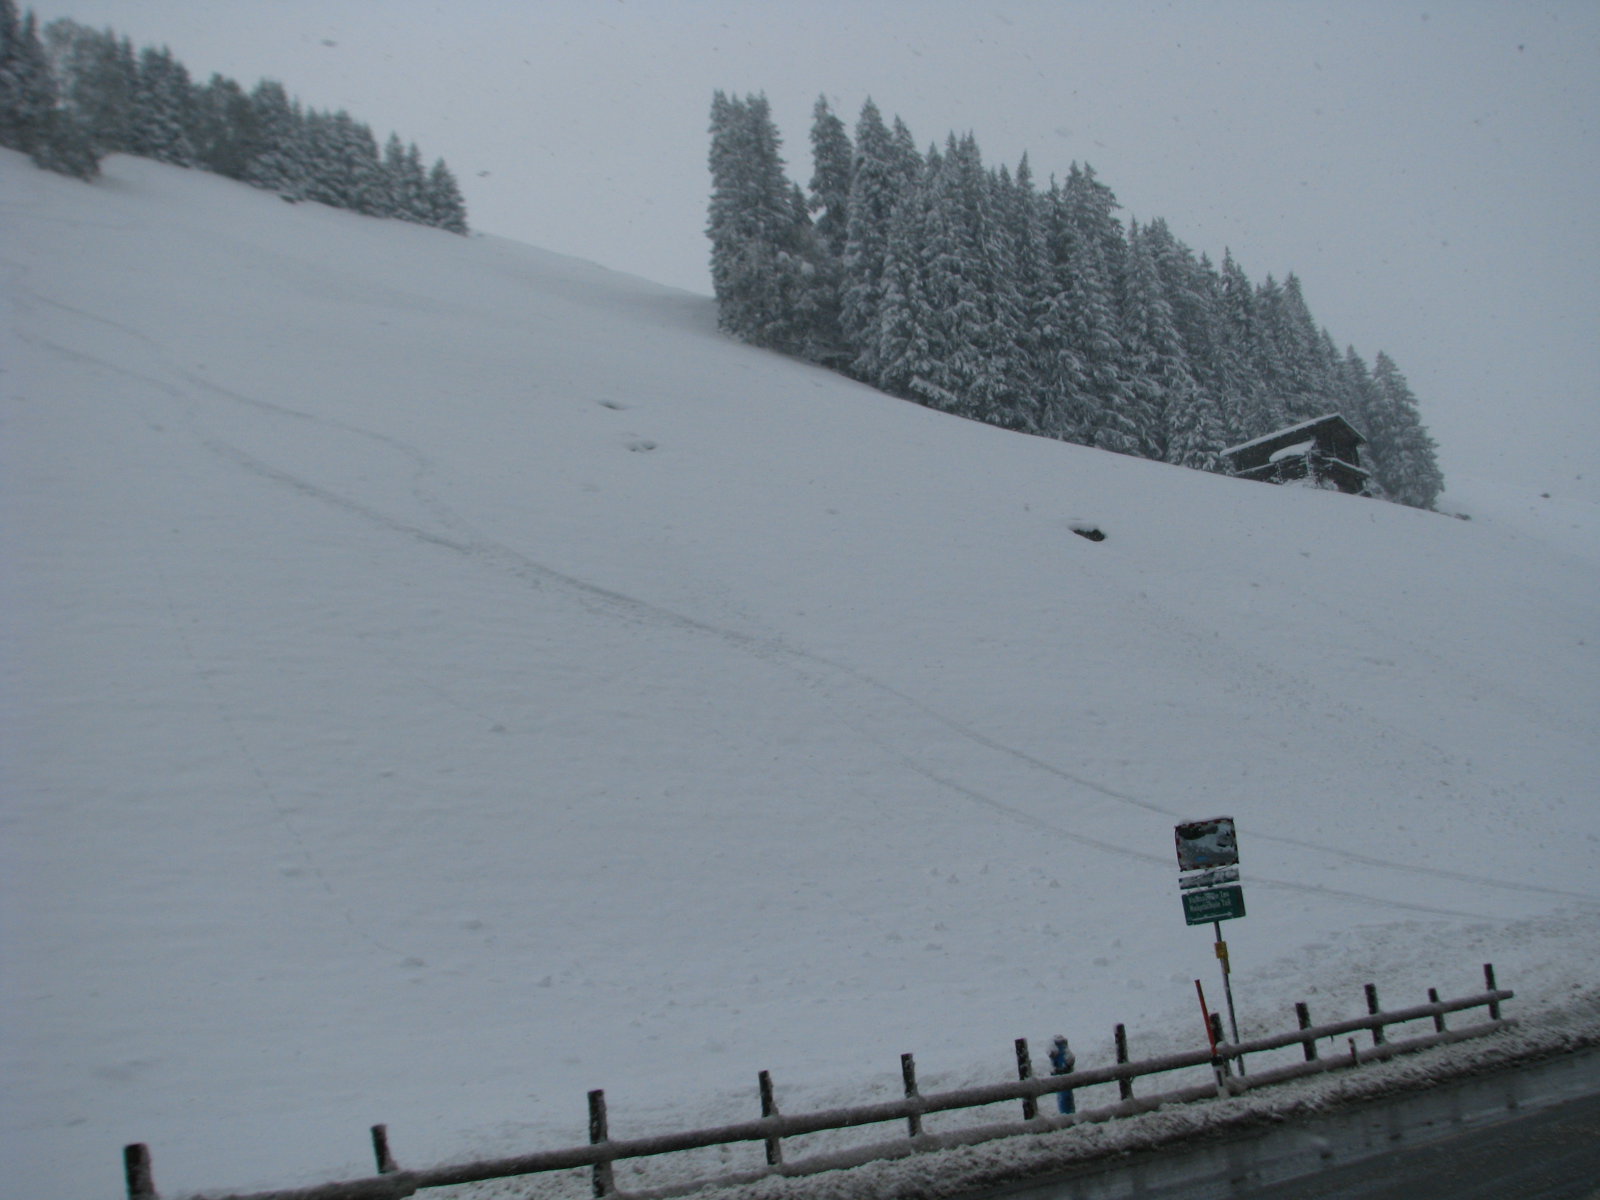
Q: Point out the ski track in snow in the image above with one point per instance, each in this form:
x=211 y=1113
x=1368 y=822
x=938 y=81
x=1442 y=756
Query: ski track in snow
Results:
x=846 y=688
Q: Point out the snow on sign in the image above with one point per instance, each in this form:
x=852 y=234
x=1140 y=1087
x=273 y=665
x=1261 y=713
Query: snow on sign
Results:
x=1207 y=879
x=1206 y=844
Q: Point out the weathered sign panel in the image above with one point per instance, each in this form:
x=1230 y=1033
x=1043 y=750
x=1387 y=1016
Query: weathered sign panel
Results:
x=1206 y=844
x=1207 y=879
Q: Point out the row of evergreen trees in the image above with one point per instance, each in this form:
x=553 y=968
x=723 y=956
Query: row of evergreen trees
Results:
x=973 y=291
x=73 y=94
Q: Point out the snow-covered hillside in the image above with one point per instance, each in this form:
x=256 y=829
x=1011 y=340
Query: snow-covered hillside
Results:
x=441 y=677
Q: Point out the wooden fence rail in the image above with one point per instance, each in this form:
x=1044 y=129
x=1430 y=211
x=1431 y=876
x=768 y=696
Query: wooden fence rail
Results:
x=602 y=1152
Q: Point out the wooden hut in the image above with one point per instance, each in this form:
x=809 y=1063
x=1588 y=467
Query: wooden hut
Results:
x=1324 y=451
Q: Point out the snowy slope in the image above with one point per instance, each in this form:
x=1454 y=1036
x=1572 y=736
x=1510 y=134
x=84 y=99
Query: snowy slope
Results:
x=441 y=677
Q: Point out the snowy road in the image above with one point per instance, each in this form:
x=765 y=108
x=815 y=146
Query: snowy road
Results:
x=1527 y=1133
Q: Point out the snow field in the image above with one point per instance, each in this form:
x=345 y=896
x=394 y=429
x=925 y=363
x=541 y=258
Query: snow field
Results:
x=442 y=677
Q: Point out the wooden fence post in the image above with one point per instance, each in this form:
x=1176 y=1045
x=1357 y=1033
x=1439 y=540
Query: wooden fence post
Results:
x=1373 y=1009
x=1438 y=1018
x=380 y=1150
x=769 y=1108
x=1488 y=982
x=1303 y=1015
x=1124 y=1085
x=136 y=1166
x=1030 y=1105
x=908 y=1072
x=604 y=1175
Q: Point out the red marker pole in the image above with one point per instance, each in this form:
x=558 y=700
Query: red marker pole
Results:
x=1205 y=1017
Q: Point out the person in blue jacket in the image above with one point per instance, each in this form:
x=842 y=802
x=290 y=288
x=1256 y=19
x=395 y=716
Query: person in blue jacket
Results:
x=1062 y=1061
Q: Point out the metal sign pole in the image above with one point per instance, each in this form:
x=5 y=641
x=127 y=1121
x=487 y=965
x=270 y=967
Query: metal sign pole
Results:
x=1208 y=865
x=1227 y=985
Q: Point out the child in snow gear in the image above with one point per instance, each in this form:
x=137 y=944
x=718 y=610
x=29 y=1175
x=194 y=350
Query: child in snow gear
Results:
x=1062 y=1061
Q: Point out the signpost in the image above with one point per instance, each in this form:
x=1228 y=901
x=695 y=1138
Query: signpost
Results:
x=1214 y=905
x=1208 y=857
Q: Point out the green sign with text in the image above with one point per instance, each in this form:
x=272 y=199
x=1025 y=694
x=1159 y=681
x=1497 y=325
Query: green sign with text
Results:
x=1213 y=904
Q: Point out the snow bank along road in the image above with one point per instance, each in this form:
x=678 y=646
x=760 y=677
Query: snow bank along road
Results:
x=1527 y=1132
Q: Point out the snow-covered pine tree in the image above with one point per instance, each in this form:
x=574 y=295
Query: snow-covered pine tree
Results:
x=446 y=208
x=1148 y=345
x=831 y=158
x=407 y=182
x=952 y=379
x=985 y=320
x=876 y=180
x=98 y=74
x=1016 y=270
x=163 y=109
x=1358 y=398
x=1061 y=375
x=364 y=186
x=1100 y=410
x=1298 y=373
x=1019 y=231
x=760 y=271
x=226 y=134
x=901 y=343
x=1251 y=409
x=281 y=162
x=1195 y=435
x=323 y=182
x=32 y=118
x=27 y=88
x=1403 y=454
x=1156 y=360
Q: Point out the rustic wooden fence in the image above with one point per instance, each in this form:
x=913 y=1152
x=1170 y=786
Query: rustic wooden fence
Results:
x=1226 y=1077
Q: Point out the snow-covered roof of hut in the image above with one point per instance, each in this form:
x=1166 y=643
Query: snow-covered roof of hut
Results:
x=1292 y=451
x=1295 y=430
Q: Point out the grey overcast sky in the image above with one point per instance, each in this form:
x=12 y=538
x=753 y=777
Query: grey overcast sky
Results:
x=1428 y=169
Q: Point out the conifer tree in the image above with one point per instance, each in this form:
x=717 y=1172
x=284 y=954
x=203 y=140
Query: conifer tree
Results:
x=446 y=209
x=758 y=231
x=407 y=181
x=280 y=162
x=876 y=180
x=31 y=118
x=965 y=289
x=163 y=109
x=342 y=157
x=903 y=156
x=1165 y=399
x=962 y=375
x=1403 y=453
x=1298 y=371
x=1248 y=409
x=1100 y=412
x=27 y=89
x=901 y=341
x=1358 y=397
x=1061 y=373
x=831 y=154
x=98 y=75
x=1194 y=429
x=1020 y=227
x=226 y=135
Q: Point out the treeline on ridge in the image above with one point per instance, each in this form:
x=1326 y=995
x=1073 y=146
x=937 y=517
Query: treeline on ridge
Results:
x=73 y=94
x=973 y=291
